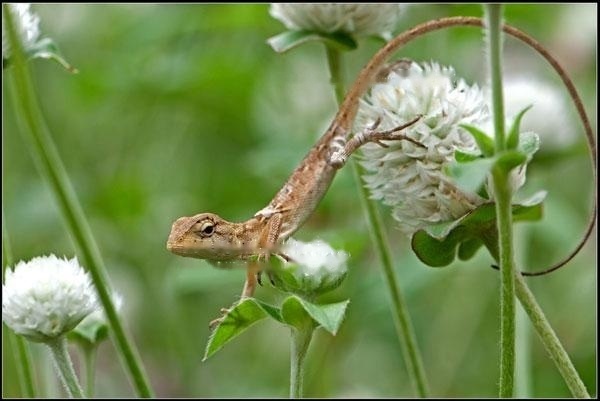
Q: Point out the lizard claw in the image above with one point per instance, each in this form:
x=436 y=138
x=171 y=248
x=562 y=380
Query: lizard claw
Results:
x=259 y=278
x=215 y=322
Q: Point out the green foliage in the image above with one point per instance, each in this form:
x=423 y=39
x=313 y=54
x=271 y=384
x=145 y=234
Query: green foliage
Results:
x=45 y=48
x=290 y=39
x=295 y=312
x=437 y=245
x=181 y=109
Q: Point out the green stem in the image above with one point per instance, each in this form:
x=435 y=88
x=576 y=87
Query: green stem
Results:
x=299 y=346
x=550 y=340
x=494 y=35
x=49 y=164
x=17 y=343
x=89 y=356
x=58 y=348
x=503 y=196
x=402 y=321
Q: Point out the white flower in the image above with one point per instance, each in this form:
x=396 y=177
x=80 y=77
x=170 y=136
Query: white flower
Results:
x=46 y=297
x=316 y=267
x=549 y=116
x=408 y=177
x=26 y=25
x=359 y=19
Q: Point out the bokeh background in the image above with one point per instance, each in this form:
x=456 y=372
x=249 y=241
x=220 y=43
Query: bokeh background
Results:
x=180 y=109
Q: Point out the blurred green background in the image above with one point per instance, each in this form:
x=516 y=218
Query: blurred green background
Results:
x=180 y=109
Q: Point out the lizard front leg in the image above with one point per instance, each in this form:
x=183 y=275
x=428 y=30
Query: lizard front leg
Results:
x=340 y=156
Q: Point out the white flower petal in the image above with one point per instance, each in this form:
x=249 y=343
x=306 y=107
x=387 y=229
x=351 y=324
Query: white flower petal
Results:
x=46 y=297
x=359 y=19
x=26 y=24
x=408 y=177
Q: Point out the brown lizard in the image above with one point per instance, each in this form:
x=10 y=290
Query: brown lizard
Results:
x=208 y=236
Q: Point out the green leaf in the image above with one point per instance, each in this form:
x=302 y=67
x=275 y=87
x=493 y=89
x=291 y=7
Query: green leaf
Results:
x=465 y=157
x=470 y=176
x=46 y=48
x=509 y=160
x=467 y=249
x=89 y=333
x=296 y=310
x=290 y=39
x=437 y=245
x=512 y=141
x=240 y=316
x=485 y=143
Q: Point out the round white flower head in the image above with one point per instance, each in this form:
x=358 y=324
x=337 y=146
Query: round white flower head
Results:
x=357 y=19
x=46 y=297
x=408 y=177
x=316 y=267
x=549 y=115
x=26 y=24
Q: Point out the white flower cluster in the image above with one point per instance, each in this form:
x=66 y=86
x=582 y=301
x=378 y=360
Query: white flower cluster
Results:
x=316 y=266
x=46 y=297
x=408 y=177
x=26 y=24
x=358 y=19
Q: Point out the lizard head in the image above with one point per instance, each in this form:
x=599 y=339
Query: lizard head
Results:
x=205 y=236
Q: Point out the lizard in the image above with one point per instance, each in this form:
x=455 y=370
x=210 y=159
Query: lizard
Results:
x=209 y=236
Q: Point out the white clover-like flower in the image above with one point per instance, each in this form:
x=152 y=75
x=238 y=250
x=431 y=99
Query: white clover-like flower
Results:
x=408 y=177
x=549 y=116
x=46 y=297
x=316 y=267
x=357 y=19
x=26 y=24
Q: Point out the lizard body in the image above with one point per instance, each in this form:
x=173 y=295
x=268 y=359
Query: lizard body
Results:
x=208 y=236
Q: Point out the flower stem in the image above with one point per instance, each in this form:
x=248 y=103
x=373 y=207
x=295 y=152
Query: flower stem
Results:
x=89 y=353
x=494 y=35
x=17 y=343
x=402 y=321
x=550 y=340
x=503 y=196
x=58 y=348
x=299 y=346
x=49 y=164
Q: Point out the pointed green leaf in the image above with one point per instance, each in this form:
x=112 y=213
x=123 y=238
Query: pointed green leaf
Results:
x=46 y=48
x=289 y=39
x=469 y=177
x=509 y=160
x=240 y=316
x=512 y=141
x=465 y=157
x=295 y=310
x=485 y=143
x=89 y=333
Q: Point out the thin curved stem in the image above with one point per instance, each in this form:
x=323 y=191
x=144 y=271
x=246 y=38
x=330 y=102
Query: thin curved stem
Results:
x=402 y=321
x=550 y=339
x=33 y=127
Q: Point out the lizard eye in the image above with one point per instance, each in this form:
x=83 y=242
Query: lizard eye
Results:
x=205 y=228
